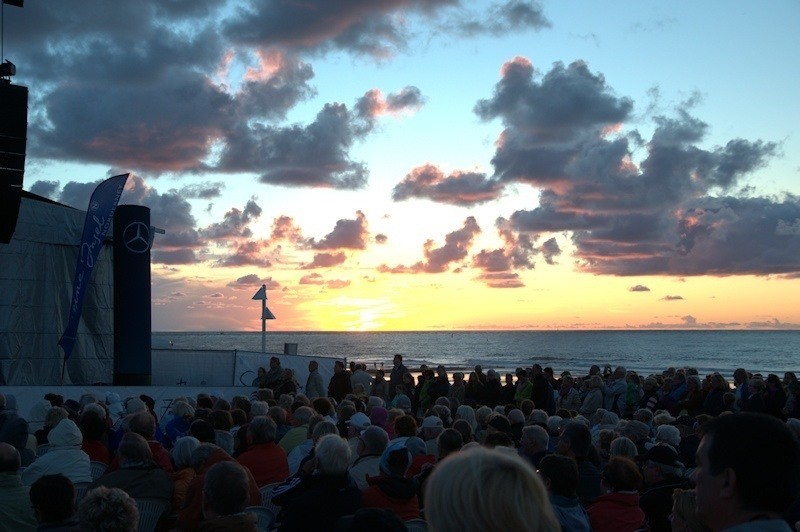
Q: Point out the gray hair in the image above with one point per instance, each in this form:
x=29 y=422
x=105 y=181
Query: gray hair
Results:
x=374 y=401
x=645 y=415
x=467 y=413
x=375 y=439
x=322 y=428
x=277 y=414
x=636 y=430
x=108 y=509
x=668 y=434
x=303 y=415
x=182 y=409
x=623 y=446
x=134 y=448
x=536 y=433
x=202 y=453
x=262 y=429
x=538 y=416
x=554 y=423
x=226 y=488
x=333 y=455
x=258 y=408
x=181 y=453
x=96 y=408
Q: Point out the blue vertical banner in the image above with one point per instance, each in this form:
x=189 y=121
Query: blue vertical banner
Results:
x=98 y=220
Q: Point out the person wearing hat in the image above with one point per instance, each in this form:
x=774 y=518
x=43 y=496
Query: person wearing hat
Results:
x=355 y=425
x=662 y=472
x=432 y=426
x=65 y=456
x=391 y=489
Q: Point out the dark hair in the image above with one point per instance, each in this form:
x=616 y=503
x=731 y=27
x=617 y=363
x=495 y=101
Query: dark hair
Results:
x=498 y=439
x=203 y=431
x=226 y=488
x=464 y=428
x=622 y=474
x=768 y=482
x=221 y=420
x=205 y=402
x=323 y=406
x=579 y=438
x=239 y=417
x=54 y=497
x=562 y=472
x=450 y=440
x=405 y=426
x=92 y=425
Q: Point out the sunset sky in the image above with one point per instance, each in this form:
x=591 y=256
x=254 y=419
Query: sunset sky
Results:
x=433 y=164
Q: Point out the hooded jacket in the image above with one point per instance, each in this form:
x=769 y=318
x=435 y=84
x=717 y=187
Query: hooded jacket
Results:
x=395 y=493
x=65 y=456
x=616 y=511
x=191 y=515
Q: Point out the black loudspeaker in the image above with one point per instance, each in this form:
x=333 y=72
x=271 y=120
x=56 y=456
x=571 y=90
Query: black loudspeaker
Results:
x=13 y=138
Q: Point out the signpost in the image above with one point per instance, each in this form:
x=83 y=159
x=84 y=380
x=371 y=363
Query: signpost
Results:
x=266 y=314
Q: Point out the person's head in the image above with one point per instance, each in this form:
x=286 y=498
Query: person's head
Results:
x=621 y=474
x=332 y=455
x=623 y=447
x=465 y=429
x=338 y=366
x=575 y=440
x=313 y=366
x=143 y=424
x=274 y=363
x=221 y=420
x=54 y=415
x=432 y=426
x=397 y=360
x=449 y=442
x=181 y=452
x=684 y=511
x=484 y=489
x=302 y=416
x=405 y=426
x=731 y=483
x=108 y=509
x=92 y=425
x=262 y=429
x=133 y=448
x=534 y=439
x=226 y=490
x=52 y=498
x=661 y=463
x=395 y=459
x=560 y=475
x=9 y=458
x=372 y=441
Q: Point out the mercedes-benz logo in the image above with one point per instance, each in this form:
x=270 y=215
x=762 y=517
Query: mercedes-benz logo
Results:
x=136 y=237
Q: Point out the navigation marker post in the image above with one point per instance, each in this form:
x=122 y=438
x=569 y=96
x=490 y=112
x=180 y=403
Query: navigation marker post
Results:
x=266 y=314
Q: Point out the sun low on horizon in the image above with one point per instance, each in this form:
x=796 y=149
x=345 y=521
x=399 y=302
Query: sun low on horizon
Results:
x=486 y=165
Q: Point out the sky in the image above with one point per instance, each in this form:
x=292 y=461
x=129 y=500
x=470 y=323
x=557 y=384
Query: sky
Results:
x=433 y=164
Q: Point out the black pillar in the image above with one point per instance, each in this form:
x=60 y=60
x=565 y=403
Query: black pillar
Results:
x=132 y=313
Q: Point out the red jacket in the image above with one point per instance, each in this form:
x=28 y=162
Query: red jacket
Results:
x=395 y=493
x=160 y=457
x=418 y=462
x=97 y=451
x=191 y=515
x=616 y=512
x=267 y=462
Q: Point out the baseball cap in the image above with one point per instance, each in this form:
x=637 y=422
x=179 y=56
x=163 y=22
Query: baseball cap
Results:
x=432 y=422
x=359 y=420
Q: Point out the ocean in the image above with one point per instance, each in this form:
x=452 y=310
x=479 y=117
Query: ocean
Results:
x=644 y=351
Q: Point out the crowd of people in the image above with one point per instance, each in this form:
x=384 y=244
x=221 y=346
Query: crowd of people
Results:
x=607 y=451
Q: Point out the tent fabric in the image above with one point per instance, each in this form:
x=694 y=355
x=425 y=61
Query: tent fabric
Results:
x=36 y=275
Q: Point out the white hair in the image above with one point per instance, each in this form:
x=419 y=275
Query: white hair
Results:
x=333 y=455
x=467 y=413
x=668 y=434
x=258 y=408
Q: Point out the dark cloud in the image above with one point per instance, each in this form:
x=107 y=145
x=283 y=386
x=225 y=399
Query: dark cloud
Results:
x=638 y=288
x=202 y=190
x=563 y=133
x=672 y=298
x=284 y=228
x=503 y=18
x=250 y=281
x=235 y=223
x=337 y=284
x=325 y=260
x=247 y=253
x=502 y=280
x=458 y=188
x=174 y=256
x=438 y=260
x=48 y=189
x=359 y=26
x=346 y=234
x=313 y=279
x=373 y=104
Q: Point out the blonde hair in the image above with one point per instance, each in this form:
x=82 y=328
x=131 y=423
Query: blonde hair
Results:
x=484 y=489
x=684 y=504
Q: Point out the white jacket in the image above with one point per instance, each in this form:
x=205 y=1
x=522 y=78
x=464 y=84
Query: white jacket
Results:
x=65 y=456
